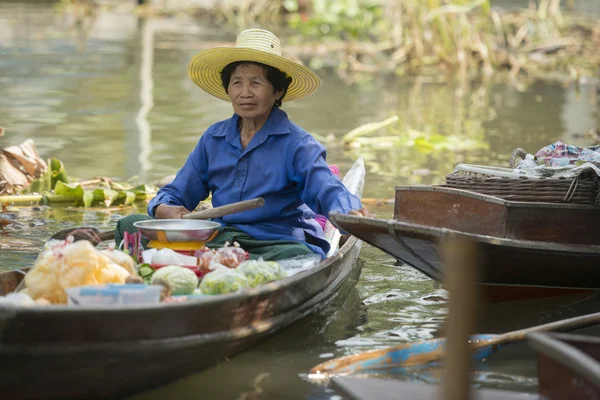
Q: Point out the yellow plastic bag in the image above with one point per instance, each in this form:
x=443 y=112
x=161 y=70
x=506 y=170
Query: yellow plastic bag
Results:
x=68 y=264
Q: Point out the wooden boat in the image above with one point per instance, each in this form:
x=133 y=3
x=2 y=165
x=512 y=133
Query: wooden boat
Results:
x=62 y=352
x=568 y=365
x=528 y=249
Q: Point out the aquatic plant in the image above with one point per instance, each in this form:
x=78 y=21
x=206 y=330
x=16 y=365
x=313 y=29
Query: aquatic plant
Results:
x=26 y=178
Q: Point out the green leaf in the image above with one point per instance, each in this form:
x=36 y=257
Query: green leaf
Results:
x=105 y=195
x=110 y=196
x=129 y=198
x=73 y=190
x=39 y=185
x=56 y=173
x=423 y=146
x=119 y=185
x=57 y=170
x=142 y=190
x=88 y=198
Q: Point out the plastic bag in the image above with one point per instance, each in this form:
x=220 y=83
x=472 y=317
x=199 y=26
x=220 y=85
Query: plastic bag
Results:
x=223 y=280
x=259 y=271
x=17 y=299
x=120 y=258
x=297 y=264
x=229 y=256
x=354 y=180
x=205 y=258
x=69 y=264
x=170 y=257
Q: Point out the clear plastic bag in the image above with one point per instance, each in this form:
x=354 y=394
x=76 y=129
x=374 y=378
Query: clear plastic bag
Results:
x=168 y=257
x=298 y=264
x=259 y=271
x=229 y=256
x=354 y=181
x=67 y=264
x=223 y=280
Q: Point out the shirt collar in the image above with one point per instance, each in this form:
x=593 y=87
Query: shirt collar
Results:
x=278 y=123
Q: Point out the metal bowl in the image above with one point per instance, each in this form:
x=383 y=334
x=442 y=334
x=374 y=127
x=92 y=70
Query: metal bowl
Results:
x=177 y=230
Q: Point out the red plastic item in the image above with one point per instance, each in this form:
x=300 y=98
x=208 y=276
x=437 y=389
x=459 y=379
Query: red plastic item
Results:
x=199 y=272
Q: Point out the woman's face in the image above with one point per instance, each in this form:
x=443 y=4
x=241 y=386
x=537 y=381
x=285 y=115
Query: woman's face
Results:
x=250 y=92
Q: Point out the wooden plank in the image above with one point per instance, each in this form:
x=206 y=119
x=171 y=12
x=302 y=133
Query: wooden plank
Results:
x=462 y=261
x=568 y=225
x=451 y=211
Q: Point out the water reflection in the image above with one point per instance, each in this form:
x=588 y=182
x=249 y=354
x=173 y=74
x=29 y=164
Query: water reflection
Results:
x=116 y=101
x=144 y=137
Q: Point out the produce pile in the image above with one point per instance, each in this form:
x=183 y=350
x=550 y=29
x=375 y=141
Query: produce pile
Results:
x=219 y=271
x=68 y=272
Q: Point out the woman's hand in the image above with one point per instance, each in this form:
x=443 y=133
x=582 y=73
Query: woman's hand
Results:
x=165 y=211
x=363 y=212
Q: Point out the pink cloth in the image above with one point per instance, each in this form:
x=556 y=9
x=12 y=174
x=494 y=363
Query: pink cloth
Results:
x=321 y=219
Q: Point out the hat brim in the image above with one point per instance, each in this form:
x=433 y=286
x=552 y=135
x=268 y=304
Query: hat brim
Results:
x=205 y=70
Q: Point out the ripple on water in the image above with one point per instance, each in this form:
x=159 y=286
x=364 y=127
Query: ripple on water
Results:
x=391 y=295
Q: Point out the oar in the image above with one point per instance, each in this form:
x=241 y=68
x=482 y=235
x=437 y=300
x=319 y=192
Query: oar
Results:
x=226 y=210
x=426 y=351
x=88 y=232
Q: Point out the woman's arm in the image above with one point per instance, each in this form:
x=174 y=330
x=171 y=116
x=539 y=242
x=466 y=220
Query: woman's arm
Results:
x=322 y=191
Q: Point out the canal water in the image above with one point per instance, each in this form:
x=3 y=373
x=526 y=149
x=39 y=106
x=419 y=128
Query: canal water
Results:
x=110 y=96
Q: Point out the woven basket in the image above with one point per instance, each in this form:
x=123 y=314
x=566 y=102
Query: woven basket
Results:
x=503 y=183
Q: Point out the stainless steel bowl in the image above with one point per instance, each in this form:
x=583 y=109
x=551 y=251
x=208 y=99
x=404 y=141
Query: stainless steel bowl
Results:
x=177 y=230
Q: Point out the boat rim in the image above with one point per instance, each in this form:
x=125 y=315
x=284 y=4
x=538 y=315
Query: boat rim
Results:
x=494 y=199
x=494 y=240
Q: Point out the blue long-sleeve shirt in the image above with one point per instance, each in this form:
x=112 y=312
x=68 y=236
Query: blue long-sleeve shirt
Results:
x=282 y=163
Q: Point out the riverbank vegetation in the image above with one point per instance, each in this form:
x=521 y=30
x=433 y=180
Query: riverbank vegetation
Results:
x=468 y=39
x=458 y=38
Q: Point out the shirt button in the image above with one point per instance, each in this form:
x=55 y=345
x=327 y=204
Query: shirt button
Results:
x=237 y=184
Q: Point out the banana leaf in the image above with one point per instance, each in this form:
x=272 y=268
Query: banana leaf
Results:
x=47 y=182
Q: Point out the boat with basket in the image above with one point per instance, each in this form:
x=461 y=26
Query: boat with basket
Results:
x=529 y=249
x=536 y=226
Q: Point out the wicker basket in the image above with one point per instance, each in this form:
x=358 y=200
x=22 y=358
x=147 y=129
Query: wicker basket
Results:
x=503 y=183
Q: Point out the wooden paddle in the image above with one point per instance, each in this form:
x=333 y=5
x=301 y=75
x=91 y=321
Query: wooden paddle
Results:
x=93 y=234
x=426 y=351
x=226 y=210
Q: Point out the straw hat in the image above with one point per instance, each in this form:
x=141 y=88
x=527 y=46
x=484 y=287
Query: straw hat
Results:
x=256 y=45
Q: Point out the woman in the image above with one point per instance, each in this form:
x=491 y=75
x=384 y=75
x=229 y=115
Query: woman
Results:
x=258 y=152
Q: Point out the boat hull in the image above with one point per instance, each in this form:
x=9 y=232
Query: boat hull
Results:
x=528 y=250
x=524 y=268
x=64 y=352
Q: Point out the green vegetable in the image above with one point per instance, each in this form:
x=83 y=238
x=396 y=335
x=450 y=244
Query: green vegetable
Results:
x=145 y=272
x=223 y=280
x=180 y=279
x=259 y=271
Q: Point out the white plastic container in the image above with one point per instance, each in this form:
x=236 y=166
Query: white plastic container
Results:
x=114 y=295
